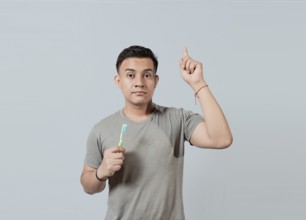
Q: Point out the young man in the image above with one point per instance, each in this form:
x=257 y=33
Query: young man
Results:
x=145 y=176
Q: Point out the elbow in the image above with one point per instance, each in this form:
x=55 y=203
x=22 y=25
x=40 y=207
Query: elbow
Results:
x=88 y=191
x=217 y=143
x=86 y=188
x=225 y=143
x=222 y=143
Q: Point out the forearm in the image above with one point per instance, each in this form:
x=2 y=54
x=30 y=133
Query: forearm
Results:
x=91 y=184
x=214 y=132
x=216 y=124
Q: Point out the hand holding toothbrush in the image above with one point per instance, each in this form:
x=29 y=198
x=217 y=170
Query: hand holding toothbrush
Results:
x=112 y=162
x=113 y=158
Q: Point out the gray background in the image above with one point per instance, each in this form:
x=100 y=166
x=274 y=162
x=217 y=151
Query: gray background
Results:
x=57 y=62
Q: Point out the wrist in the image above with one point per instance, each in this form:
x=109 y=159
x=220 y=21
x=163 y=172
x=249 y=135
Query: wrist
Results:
x=196 y=86
x=199 y=87
x=101 y=179
x=197 y=92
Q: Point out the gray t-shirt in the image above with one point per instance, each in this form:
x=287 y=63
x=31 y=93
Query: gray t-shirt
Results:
x=149 y=185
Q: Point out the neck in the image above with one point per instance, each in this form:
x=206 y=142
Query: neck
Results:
x=138 y=113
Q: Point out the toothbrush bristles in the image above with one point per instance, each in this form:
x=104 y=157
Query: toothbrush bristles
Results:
x=123 y=131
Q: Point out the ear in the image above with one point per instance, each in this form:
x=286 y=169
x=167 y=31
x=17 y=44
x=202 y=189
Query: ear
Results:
x=117 y=80
x=156 y=80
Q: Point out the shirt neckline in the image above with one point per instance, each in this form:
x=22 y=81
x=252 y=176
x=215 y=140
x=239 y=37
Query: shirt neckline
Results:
x=149 y=118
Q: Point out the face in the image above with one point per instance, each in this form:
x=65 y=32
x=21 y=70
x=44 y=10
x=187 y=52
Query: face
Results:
x=137 y=80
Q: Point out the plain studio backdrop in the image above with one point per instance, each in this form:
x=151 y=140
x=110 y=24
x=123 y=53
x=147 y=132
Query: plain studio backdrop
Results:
x=57 y=62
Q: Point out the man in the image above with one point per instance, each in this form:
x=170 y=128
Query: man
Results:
x=145 y=176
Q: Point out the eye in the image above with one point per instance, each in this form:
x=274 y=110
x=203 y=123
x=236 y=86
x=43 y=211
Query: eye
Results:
x=130 y=75
x=148 y=76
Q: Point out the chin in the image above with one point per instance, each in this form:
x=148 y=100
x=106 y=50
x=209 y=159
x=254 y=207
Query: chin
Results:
x=140 y=103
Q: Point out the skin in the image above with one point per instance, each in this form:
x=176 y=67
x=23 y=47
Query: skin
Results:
x=137 y=80
x=214 y=132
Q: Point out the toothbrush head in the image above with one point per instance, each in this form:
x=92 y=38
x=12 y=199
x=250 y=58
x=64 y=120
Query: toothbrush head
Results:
x=123 y=129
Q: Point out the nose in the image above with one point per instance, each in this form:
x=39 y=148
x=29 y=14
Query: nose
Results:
x=139 y=82
x=139 y=86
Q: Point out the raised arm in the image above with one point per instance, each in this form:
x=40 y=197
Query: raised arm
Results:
x=214 y=132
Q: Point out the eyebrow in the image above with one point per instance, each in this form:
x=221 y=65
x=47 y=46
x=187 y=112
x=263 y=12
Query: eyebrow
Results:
x=129 y=69
x=133 y=70
x=148 y=70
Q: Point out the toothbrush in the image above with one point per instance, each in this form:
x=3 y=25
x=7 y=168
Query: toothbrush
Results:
x=123 y=131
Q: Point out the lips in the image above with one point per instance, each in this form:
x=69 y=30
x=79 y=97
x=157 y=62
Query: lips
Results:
x=139 y=92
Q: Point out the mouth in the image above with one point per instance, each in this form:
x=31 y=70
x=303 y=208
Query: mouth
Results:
x=139 y=92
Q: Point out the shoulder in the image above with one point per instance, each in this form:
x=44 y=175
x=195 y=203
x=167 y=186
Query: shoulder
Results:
x=173 y=111
x=166 y=110
x=107 y=121
x=176 y=115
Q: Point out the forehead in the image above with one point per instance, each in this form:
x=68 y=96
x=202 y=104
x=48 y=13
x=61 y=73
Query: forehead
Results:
x=137 y=64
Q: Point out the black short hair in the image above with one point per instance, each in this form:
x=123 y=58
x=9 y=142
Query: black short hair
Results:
x=138 y=52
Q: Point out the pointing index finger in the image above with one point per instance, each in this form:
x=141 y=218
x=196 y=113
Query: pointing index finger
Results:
x=185 y=52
